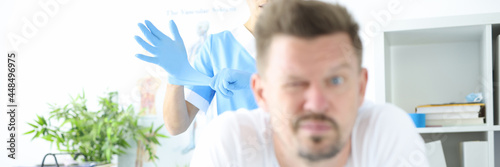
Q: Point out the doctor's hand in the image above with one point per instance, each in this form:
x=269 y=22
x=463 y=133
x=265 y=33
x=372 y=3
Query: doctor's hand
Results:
x=228 y=80
x=170 y=54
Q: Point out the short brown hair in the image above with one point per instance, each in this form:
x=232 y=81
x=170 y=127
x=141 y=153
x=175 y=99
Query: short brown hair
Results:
x=306 y=19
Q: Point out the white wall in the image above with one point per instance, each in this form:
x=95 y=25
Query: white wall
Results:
x=89 y=45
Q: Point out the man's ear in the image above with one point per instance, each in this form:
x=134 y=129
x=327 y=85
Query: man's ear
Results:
x=362 y=85
x=258 y=90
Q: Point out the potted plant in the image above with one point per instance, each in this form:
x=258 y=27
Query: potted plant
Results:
x=96 y=134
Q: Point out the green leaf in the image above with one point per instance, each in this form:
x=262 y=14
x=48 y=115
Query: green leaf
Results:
x=36 y=135
x=29 y=132
x=108 y=155
x=155 y=140
x=48 y=138
x=56 y=110
x=125 y=144
x=43 y=121
x=108 y=133
x=151 y=128
x=160 y=135
x=65 y=122
x=38 y=121
x=59 y=139
x=120 y=152
x=58 y=146
x=158 y=129
x=52 y=116
x=34 y=126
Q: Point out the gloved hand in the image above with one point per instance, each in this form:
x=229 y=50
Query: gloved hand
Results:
x=170 y=54
x=228 y=80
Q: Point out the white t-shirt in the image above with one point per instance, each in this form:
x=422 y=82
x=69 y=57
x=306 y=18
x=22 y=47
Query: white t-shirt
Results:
x=383 y=136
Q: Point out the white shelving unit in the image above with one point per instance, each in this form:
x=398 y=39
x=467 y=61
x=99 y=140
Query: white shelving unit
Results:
x=441 y=60
x=461 y=129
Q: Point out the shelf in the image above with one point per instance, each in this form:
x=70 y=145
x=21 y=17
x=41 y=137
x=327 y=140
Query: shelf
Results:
x=440 y=35
x=443 y=22
x=457 y=129
x=427 y=66
x=442 y=60
x=496 y=128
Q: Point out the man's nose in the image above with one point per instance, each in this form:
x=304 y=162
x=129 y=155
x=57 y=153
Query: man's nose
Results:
x=316 y=99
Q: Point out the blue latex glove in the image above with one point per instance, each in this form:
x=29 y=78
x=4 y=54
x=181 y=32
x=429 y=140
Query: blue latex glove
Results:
x=170 y=54
x=228 y=80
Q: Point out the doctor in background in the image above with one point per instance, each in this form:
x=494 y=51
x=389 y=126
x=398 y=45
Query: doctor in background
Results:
x=219 y=79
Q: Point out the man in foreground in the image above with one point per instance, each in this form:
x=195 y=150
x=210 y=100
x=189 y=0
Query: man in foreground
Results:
x=310 y=88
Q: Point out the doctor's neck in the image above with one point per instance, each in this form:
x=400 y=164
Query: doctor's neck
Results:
x=250 y=24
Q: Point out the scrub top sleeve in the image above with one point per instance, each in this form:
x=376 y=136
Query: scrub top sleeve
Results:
x=201 y=96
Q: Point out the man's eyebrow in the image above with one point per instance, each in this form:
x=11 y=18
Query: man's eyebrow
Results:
x=335 y=69
x=293 y=78
x=341 y=66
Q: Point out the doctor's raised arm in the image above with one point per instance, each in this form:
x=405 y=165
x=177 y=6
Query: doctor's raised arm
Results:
x=219 y=79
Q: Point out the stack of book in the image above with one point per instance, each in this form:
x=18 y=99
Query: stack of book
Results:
x=453 y=114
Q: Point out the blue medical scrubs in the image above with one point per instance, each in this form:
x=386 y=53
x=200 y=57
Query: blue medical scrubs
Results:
x=233 y=49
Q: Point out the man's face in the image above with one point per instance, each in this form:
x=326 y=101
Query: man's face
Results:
x=312 y=89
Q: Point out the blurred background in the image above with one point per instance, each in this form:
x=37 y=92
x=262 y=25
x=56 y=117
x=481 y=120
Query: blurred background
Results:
x=68 y=47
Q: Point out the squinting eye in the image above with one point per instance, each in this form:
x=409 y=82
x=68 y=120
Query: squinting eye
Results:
x=296 y=84
x=337 y=80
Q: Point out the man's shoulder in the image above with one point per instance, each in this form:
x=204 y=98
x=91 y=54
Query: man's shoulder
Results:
x=235 y=138
x=241 y=118
x=386 y=122
x=382 y=113
x=384 y=135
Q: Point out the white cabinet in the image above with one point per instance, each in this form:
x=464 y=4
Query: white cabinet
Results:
x=441 y=60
